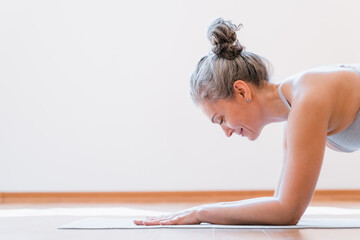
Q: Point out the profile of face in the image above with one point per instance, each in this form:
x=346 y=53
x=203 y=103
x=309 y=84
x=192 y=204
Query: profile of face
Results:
x=236 y=115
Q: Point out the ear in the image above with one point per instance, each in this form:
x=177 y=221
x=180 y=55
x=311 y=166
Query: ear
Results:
x=242 y=88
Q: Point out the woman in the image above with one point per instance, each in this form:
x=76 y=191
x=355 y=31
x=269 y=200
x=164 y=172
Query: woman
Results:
x=321 y=107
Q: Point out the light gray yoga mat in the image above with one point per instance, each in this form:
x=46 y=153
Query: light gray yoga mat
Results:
x=126 y=223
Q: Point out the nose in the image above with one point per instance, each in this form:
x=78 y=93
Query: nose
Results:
x=228 y=131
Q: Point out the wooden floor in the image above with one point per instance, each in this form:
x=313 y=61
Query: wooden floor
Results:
x=40 y=221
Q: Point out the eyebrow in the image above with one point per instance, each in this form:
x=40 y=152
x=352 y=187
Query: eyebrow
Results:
x=212 y=119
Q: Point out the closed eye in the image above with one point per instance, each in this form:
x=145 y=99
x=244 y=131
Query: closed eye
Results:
x=221 y=121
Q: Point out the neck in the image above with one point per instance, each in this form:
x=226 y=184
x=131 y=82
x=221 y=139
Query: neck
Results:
x=273 y=108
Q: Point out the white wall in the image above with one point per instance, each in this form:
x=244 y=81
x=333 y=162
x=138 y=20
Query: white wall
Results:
x=94 y=95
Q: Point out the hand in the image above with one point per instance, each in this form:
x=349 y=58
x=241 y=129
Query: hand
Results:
x=178 y=218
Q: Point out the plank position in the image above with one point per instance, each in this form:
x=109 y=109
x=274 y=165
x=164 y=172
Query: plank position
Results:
x=320 y=107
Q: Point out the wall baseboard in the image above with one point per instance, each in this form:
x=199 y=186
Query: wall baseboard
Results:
x=161 y=197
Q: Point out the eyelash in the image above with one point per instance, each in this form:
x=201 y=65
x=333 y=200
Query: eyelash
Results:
x=221 y=121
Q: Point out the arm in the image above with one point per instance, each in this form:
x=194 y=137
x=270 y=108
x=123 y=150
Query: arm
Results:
x=304 y=145
x=276 y=194
x=305 y=141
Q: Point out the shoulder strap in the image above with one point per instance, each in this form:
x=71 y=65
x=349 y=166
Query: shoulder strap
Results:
x=283 y=97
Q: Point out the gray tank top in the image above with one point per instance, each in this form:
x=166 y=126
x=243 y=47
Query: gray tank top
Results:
x=347 y=140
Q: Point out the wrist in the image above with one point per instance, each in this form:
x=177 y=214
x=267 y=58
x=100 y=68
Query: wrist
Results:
x=202 y=213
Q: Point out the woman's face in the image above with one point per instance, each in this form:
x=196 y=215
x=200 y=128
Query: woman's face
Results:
x=235 y=116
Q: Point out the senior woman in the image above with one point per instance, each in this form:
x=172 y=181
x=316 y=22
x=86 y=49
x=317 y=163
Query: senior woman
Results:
x=321 y=107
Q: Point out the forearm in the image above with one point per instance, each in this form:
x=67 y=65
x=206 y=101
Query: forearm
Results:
x=267 y=210
x=250 y=200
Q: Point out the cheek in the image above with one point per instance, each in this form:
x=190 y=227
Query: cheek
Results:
x=233 y=122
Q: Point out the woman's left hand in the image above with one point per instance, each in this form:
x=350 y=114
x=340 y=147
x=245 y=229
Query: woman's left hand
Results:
x=178 y=218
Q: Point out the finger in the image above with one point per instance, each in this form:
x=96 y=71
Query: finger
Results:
x=152 y=223
x=168 y=222
x=171 y=219
x=147 y=222
x=181 y=220
x=139 y=222
x=163 y=217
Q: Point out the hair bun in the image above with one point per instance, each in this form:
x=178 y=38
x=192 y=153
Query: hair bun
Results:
x=222 y=35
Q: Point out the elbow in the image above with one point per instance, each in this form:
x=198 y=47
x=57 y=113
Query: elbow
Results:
x=292 y=220
x=289 y=213
x=288 y=219
x=291 y=216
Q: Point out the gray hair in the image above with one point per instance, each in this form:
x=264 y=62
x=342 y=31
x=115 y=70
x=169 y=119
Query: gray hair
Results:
x=216 y=72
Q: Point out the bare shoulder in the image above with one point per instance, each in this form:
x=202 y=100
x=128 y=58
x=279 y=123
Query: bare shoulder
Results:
x=333 y=89
x=325 y=81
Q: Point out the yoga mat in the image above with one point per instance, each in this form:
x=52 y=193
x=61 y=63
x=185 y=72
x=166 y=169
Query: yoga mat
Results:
x=126 y=223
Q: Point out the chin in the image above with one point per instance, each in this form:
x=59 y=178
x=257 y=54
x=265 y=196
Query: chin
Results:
x=253 y=137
